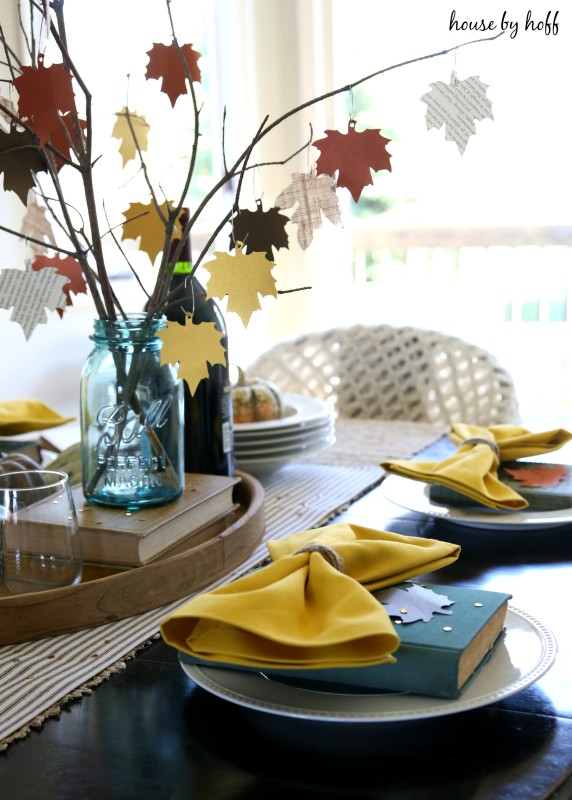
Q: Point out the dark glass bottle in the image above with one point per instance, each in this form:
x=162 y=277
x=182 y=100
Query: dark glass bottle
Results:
x=209 y=444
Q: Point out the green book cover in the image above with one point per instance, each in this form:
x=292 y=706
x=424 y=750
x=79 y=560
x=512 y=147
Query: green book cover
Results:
x=436 y=658
x=545 y=487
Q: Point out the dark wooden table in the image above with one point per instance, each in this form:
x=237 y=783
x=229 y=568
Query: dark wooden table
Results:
x=150 y=732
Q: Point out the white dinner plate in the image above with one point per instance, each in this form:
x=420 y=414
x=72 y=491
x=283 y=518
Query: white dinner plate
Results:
x=300 y=444
x=283 y=436
x=299 y=410
x=525 y=654
x=414 y=496
x=258 y=465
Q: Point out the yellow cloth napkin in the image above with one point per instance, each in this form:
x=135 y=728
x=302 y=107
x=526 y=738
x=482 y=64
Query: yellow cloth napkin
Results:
x=473 y=469
x=301 y=611
x=23 y=416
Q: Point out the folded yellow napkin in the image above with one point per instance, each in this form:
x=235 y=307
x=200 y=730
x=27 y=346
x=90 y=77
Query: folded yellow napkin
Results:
x=312 y=606
x=472 y=470
x=23 y=416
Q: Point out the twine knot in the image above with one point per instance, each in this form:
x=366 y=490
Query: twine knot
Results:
x=483 y=440
x=333 y=558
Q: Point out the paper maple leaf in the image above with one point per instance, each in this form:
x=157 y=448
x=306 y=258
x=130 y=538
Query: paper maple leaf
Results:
x=314 y=196
x=43 y=92
x=457 y=105
x=193 y=347
x=243 y=278
x=36 y=226
x=69 y=268
x=144 y=221
x=20 y=160
x=29 y=293
x=544 y=476
x=353 y=155
x=259 y=230
x=122 y=131
x=414 y=603
x=165 y=65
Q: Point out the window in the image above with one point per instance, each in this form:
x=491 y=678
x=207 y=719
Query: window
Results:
x=477 y=245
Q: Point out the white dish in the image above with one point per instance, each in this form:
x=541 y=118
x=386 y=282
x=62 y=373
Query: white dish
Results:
x=299 y=444
x=299 y=410
x=282 y=436
x=261 y=464
x=414 y=496
x=526 y=653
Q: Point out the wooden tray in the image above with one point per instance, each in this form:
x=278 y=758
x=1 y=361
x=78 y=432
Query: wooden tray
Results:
x=107 y=594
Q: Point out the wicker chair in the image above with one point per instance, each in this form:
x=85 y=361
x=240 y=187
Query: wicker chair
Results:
x=387 y=372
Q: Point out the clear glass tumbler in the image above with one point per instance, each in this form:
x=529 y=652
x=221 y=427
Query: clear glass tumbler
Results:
x=40 y=545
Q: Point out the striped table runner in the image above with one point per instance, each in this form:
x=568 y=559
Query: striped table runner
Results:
x=36 y=678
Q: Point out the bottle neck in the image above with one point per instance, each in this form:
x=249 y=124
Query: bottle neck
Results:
x=182 y=268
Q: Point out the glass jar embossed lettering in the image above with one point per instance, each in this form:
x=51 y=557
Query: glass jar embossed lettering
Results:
x=131 y=413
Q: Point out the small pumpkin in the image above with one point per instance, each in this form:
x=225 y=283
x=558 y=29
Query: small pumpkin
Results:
x=255 y=399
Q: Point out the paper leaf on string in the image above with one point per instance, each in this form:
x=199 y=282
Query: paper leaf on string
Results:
x=70 y=269
x=314 y=196
x=30 y=293
x=243 y=277
x=259 y=230
x=43 y=92
x=36 y=226
x=414 y=603
x=353 y=155
x=543 y=476
x=144 y=221
x=457 y=105
x=125 y=121
x=165 y=65
x=20 y=160
x=193 y=347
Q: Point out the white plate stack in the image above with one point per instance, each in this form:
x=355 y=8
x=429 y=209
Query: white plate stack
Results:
x=306 y=425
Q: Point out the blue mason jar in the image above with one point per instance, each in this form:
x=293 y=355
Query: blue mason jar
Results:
x=131 y=412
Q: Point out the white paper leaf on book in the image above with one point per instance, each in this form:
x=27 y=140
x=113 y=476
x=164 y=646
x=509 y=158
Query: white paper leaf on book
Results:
x=29 y=294
x=413 y=604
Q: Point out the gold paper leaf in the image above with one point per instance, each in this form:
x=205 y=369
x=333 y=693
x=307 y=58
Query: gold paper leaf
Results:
x=144 y=221
x=125 y=121
x=243 y=277
x=193 y=347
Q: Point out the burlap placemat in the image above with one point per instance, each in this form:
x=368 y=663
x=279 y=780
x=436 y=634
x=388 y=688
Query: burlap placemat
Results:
x=366 y=442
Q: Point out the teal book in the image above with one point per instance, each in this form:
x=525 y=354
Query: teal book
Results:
x=453 y=635
x=545 y=487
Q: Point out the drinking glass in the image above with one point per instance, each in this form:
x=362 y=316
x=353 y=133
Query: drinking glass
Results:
x=40 y=545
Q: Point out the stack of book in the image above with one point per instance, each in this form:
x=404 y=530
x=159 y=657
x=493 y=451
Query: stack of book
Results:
x=132 y=538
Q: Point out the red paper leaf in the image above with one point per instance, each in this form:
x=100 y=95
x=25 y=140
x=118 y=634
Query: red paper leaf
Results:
x=353 y=155
x=44 y=92
x=542 y=476
x=68 y=267
x=165 y=64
